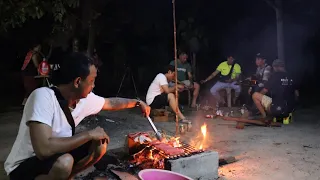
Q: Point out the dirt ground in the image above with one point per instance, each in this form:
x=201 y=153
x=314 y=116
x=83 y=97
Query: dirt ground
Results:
x=288 y=152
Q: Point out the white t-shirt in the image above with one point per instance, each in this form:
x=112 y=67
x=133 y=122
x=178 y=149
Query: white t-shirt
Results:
x=155 y=87
x=43 y=106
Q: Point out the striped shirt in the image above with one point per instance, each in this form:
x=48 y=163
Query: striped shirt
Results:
x=263 y=73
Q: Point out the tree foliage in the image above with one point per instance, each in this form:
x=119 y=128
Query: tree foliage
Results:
x=14 y=13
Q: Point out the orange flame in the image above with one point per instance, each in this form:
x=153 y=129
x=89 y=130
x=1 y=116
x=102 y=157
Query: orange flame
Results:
x=204 y=133
x=204 y=130
x=176 y=142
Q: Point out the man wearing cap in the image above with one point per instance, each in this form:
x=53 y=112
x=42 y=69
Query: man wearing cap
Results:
x=229 y=73
x=262 y=74
x=282 y=90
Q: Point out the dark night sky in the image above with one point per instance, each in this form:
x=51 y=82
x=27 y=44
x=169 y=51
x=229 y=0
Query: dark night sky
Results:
x=239 y=27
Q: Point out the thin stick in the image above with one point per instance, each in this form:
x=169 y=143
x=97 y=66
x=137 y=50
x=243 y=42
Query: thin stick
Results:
x=175 y=61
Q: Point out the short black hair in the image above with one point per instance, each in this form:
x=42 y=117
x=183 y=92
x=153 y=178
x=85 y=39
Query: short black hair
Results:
x=74 y=65
x=182 y=53
x=168 y=68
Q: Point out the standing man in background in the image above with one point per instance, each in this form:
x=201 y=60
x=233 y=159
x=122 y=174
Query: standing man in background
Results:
x=30 y=70
x=185 y=76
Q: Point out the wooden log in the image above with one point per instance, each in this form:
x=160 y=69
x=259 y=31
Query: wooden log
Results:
x=227 y=160
x=257 y=122
x=157 y=112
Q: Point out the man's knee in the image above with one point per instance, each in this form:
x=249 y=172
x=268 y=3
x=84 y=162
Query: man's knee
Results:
x=256 y=96
x=64 y=165
x=214 y=90
x=236 y=88
x=196 y=85
x=171 y=96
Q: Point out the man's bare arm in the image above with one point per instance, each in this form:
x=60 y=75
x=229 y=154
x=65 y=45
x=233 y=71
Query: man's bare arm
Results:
x=119 y=103
x=214 y=74
x=190 y=77
x=168 y=89
x=45 y=145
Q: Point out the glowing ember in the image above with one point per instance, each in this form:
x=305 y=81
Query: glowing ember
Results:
x=176 y=142
x=153 y=154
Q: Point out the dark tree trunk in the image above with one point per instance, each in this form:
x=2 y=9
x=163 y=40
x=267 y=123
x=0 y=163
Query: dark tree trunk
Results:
x=91 y=39
x=280 y=32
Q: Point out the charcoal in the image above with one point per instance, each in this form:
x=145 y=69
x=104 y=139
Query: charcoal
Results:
x=105 y=161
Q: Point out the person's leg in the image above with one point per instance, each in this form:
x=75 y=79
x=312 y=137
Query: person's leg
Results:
x=94 y=154
x=196 y=89
x=237 y=89
x=58 y=166
x=173 y=105
x=262 y=102
x=61 y=169
x=215 y=90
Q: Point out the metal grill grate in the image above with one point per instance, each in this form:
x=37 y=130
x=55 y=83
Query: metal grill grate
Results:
x=188 y=151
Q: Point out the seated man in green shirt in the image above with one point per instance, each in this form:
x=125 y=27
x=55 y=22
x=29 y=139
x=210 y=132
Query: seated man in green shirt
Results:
x=184 y=69
x=229 y=73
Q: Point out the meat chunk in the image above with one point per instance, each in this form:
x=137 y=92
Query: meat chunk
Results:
x=168 y=149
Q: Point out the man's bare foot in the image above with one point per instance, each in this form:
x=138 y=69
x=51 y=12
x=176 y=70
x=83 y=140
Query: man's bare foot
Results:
x=184 y=121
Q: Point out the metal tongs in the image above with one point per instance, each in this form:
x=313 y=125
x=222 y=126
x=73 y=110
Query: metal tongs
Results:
x=158 y=134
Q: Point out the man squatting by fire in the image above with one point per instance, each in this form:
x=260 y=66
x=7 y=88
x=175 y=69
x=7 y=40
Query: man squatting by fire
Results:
x=46 y=147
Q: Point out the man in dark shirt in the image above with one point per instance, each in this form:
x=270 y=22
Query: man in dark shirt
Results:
x=282 y=92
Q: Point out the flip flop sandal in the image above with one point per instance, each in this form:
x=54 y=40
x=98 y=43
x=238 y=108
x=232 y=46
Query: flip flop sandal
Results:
x=185 y=121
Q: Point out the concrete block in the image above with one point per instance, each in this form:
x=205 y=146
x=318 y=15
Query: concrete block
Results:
x=203 y=166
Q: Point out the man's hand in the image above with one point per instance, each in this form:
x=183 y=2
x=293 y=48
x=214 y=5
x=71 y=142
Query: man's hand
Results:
x=98 y=134
x=229 y=80
x=145 y=108
x=203 y=81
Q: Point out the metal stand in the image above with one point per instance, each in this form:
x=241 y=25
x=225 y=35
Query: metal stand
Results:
x=128 y=71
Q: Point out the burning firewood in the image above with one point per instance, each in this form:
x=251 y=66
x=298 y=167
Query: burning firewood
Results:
x=154 y=154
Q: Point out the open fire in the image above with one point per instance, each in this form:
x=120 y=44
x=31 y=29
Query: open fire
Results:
x=204 y=133
x=147 y=152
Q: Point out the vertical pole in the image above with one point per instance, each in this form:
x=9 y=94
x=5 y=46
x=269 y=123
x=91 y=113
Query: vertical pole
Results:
x=175 y=62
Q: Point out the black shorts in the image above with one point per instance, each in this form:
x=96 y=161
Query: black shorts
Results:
x=33 y=167
x=159 y=101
